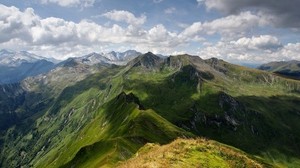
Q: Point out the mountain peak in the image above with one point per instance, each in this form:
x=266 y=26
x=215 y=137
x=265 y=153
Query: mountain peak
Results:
x=13 y=58
x=148 y=60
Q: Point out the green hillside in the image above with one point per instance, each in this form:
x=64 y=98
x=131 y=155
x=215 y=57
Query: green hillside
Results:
x=106 y=117
x=290 y=69
x=191 y=153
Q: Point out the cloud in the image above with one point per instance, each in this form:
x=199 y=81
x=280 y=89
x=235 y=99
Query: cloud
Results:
x=170 y=10
x=200 y=1
x=229 y=27
x=263 y=48
x=70 y=3
x=157 y=1
x=61 y=38
x=125 y=16
x=264 y=42
x=16 y=24
x=281 y=13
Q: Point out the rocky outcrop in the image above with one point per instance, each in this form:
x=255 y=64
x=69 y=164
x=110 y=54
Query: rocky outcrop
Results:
x=130 y=98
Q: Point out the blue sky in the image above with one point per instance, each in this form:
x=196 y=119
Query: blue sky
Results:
x=253 y=31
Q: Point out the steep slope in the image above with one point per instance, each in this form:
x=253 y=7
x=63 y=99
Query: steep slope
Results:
x=16 y=66
x=191 y=153
x=16 y=74
x=124 y=127
x=249 y=109
x=107 y=116
x=289 y=69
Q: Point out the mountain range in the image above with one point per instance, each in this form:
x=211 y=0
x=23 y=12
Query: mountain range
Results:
x=289 y=69
x=16 y=66
x=165 y=111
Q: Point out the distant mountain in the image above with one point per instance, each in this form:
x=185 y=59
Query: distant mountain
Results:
x=117 y=58
x=122 y=56
x=16 y=66
x=289 y=69
x=90 y=59
x=12 y=58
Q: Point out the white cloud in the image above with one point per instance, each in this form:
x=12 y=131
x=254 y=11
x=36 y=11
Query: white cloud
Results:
x=157 y=1
x=265 y=42
x=257 y=49
x=16 y=24
x=170 y=10
x=125 y=16
x=24 y=30
x=192 y=30
x=281 y=13
x=229 y=27
x=27 y=31
x=70 y=3
x=200 y=2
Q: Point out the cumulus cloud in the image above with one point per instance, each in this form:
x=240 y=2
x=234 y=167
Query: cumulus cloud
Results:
x=125 y=16
x=264 y=42
x=16 y=24
x=281 y=13
x=264 y=48
x=229 y=27
x=62 y=38
x=70 y=3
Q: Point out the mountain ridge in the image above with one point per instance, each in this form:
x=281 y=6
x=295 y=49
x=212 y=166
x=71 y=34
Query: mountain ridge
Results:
x=161 y=96
x=290 y=69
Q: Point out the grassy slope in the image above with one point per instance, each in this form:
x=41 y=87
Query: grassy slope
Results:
x=289 y=69
x=191 y=153
x=268 y=115
x=185 y=92
x=125 y=129
x=174 y=93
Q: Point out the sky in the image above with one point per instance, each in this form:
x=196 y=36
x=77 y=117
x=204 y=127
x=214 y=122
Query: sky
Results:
x=238 y=31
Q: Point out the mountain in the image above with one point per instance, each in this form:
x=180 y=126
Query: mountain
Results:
x=13 y=59
x=117 y=58
x=110 y=113
x=122 y=56
x=16 y=66
x=289 y=69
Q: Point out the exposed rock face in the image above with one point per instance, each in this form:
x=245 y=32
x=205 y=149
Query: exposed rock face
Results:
x=233 y=115
x=230 y=107
x=217 y=64
x=130 y=98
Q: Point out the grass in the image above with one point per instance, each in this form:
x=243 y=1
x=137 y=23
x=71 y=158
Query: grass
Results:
x=127 y=128
x=108 y=116
x=191 y=153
